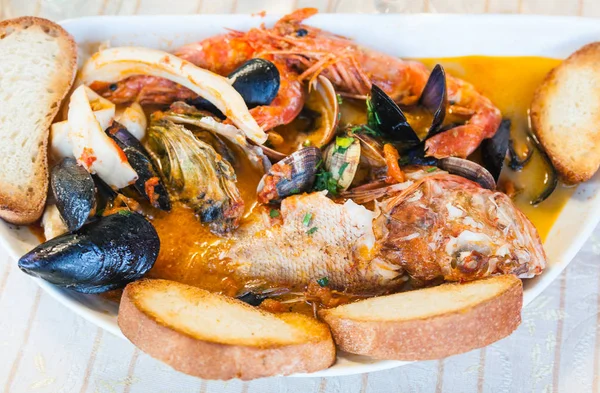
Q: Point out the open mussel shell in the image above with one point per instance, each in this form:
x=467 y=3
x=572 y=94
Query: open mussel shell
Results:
x=148 y=183
x=551 y=178
x=257 y=81
x=390 y=119
x=343 y=163
x=493 y=150
x=434 y=98
x=518 y=160
x=469 y=170
x=293 y=175
x=74 y=192
x=104 y=254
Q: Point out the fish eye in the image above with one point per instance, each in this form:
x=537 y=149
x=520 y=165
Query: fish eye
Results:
x=301 y=32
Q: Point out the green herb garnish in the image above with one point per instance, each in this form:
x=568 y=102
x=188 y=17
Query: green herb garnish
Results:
x=343 y=168
x=429 y=170
x=307 y=143
x=319 y=164
x=125 y=212
x=294 y=191
x=323 y=281
x=339 y=99
x=325 y=181
x=373 y=120
x=404 y=160
x=274 y=213
x=306 y=219
x=311 y=230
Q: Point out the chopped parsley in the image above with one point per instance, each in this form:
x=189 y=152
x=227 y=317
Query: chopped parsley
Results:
x=325 y=181
x=312 y=230
x=307 y=143
x=429 y=170
x=306 y=220
x=274 y=213
x=319 y=164
x=294 y=191
x=124 y=212
x=339 y=99
x=373 y=120
x=343 y=168
x=363 y=129
x=323 y=281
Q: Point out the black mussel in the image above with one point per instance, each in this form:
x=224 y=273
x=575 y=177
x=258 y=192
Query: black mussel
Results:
x=551 y=178
x=518 y=160
x=74 y=192
x=293 y=175
x=105 y=195
x=388 y=118
x=103 y=255
x=493 y=150
x=257 y=81
x=434 y=98
x=148 y=183
x=469 y=170
x=416 y=156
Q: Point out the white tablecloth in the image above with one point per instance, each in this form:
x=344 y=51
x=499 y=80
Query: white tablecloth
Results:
x=45 y=347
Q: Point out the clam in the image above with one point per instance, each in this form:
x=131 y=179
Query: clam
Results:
x=102 y=255
x=257 y=81
x=342 y=160
x=371 y=150
x=469 y=170
x=196 y=175
x=493 y=150
x=293 y=175
x=389 y=119
x=74 y=192
x=323 y=108
x=148 y=182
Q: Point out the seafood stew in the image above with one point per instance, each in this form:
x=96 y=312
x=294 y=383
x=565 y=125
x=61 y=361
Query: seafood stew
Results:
x=309 y=180
x=334 y=138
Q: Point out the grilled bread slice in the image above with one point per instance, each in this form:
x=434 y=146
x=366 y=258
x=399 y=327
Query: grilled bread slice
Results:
x=38 y=61
x=429 y=323
x=565 y=115
x=217 y=337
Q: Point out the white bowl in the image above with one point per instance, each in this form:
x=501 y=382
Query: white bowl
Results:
x=401 y=35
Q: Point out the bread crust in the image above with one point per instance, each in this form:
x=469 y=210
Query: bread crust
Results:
x=431 y=337
x=569 y=171
x=212 y=360
x=26 y=209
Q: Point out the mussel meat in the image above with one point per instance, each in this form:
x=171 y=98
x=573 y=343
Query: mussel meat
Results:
x=196 y=175
x=257 y=81
x=342 y=159
x=148 y=182
x=102 y=255
x=469 y=170
x=74 y=192
x=493 y=150
x=293 y=175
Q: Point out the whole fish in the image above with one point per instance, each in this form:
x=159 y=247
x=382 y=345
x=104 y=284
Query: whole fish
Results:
x=437 y=227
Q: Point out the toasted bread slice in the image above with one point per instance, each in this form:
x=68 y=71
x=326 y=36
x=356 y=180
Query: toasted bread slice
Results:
x=217 y=337
x=37 y=67
x=429 y=323
x=565 y=115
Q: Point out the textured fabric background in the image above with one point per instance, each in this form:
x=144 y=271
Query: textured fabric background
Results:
x=44 y=347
